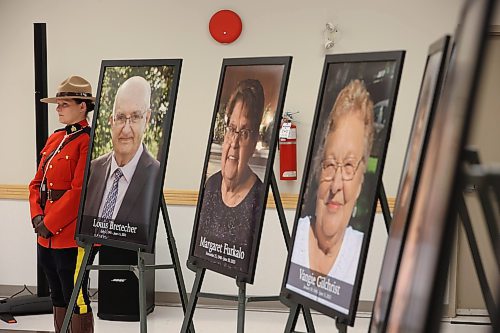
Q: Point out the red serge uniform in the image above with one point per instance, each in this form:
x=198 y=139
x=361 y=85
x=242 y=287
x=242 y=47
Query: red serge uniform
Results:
x=63 y=178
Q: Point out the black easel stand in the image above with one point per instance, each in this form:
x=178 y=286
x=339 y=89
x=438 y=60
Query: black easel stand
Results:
x=386 y=212
x=242 y=299
x=138 y=271
x=481 y=274
x=341 y=326
x=487 y=185
x=294 y=315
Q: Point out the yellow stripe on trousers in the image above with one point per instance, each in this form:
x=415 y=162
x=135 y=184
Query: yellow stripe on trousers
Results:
x=80 y=302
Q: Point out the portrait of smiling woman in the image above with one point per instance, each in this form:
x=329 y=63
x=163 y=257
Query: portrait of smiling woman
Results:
x=342 y=181
x=238 y=166
x=325 y=242
x=233 y=195
x=244 y=113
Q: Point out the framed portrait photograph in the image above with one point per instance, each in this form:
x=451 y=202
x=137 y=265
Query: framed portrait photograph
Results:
x=427 y=101
x=238 y=164
x=340 y=185
x=417 y=301
x=128 y=153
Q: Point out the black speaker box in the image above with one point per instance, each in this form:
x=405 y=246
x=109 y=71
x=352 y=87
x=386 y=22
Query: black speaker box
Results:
x=118 y=295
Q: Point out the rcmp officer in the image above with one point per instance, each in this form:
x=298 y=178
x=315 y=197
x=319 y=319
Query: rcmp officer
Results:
x=55 y=197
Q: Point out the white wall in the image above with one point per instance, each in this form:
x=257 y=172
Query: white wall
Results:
x=81 y=34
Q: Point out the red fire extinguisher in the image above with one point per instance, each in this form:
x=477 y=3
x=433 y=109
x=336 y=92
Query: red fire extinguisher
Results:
x=288 y=148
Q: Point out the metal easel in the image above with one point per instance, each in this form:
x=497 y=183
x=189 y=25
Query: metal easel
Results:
x=139 y=271
x=486 y=183
x=242 y=298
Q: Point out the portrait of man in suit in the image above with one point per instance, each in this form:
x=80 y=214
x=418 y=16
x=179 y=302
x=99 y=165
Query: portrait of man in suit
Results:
x=120 y=183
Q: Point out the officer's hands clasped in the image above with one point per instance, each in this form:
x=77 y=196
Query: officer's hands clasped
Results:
x=40 y=228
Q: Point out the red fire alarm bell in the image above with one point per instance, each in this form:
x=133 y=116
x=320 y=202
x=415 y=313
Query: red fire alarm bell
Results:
x=225 y=26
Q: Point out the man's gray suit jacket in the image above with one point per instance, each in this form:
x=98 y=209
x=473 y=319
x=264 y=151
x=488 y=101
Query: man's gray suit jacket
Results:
x=137 y=203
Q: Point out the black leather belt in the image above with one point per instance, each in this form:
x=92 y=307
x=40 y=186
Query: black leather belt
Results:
x=54 y=195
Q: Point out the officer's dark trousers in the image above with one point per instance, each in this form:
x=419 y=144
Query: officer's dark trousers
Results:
x=61 y=267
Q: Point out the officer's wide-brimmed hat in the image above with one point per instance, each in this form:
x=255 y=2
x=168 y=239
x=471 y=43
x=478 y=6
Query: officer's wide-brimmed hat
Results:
x=73 y=87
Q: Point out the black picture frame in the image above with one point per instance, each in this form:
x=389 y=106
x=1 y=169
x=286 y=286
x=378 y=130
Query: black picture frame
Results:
x=417 y=302
x=272 y=73
x=163 y=76
x=380 y=73
x=422 y=122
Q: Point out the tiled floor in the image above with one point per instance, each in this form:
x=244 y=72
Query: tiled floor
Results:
x=169 y=319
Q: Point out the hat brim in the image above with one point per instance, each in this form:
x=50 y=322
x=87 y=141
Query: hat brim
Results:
x=54 y=99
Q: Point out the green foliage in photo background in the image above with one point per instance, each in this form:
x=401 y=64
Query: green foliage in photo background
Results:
x=160 y=78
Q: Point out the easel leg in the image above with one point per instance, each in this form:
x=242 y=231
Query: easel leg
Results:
x=242 y=301
x=281 y=212
x=193 y=299
x=292 y=318
x=76 y=288
x=489 y=215
x=341 y=327
x=175 y=258
x=382 y=197
x=142 y=294
x=483 y=185
x=481 y=274
x=308 y=320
